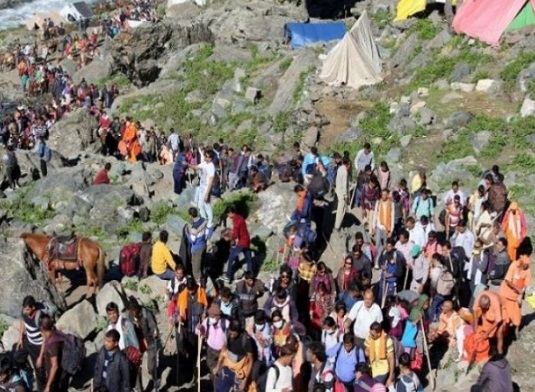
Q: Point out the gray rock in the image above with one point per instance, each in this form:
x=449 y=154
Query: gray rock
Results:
x=528 y=107
x=460 y=72
x=525 y=78
x=136 y=54
x=480 y=140
x=405 y=51
x=426 y=116
x=110 y=292
x=73 y=134
x=154 y=287
x=531 y=139
x=350 y=135
x=459 y=119
x=404 y=141
x=311 y=137
x=253 y=95
x=24 y=275
x=394 y=155
x=81 y=320
x=194 y=96
x=489 y=86
x=440 y=39
x=287 y=84
x=11 y=335
x=466 y=87
x=275 y=203
x=175 y=224
x=401 y=125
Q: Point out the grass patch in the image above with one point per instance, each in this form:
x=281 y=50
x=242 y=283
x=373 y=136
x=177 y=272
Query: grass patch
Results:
x=24 y=211
x=161 y=211
x=285 y=64
x=511 y=70
x=480 y=75
x=298 y=92
x=120 y=79
x=475 y=170
x=382 y=18
x=271 y=266
x=134 y=226
x=281 y=122
x=458 y=146
x=243 y=201
x=516 y=191
x=425 y=29
x=524 y=161
x=131 y=284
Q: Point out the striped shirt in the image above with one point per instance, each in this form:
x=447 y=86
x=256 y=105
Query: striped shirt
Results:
x=31 y=324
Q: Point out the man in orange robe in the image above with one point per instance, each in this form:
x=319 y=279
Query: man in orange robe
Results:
x=488 y=317
x=515 y=228
x=130 y=139
x=516 y=280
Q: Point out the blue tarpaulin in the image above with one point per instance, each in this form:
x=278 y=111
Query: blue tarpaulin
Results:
x=302 y=34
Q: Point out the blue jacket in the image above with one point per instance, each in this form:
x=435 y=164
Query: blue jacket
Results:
x=197 y=235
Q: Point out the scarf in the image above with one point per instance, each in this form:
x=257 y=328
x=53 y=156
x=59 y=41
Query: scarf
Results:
x=284 y=308
x=417 y=311
x=385 y=214
x=182 y=301
x=377 y=354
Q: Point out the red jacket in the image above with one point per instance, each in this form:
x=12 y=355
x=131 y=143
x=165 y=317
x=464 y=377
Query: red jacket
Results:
x=101 y=178
x=239 y=232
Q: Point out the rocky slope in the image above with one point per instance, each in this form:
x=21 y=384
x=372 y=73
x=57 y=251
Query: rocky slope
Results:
x=448 y=104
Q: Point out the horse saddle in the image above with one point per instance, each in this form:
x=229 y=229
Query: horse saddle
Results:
x=64 y=248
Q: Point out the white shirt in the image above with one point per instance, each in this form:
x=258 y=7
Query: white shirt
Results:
x=118 y=327
x=417 y=235
x=426 y=229
x=466 y=240
x=448 y=198
x=206 y=171
x=362 y=159
x=364 y=317
x=284 y=381
x=174 y=141
x=329 y=340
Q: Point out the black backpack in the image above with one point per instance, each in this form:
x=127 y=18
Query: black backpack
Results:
x=73 y=354
x=262 y=379
x=318 y=186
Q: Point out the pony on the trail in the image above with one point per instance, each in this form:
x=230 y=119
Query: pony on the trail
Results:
x=88 y=254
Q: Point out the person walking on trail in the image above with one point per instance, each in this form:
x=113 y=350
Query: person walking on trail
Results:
x=31 y=339
x=162 y=262
x=363 y=314
x=342 y=193
x=380 y=351
x=363 y=158
x=280 y=379
x=204 y=192
x=515 y=227
x=147 y=332
x=517 y=279
x=241 y=242
x=213 y=329
x=197 y=237
x=495 y=375
x=383 y=222
x=407 y=381
x=111 y=367
x=57 y=380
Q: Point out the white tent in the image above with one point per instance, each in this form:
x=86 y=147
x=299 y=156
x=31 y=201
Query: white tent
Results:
x=355 y=60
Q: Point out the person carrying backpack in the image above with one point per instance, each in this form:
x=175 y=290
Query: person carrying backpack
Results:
x=213 y=329
x=10 y=381
x=57 y=380
x=380 y=351
x=280 y=375
x=347 y=356
x=407 y=380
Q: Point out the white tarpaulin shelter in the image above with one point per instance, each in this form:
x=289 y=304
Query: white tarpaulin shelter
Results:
x=355 y=60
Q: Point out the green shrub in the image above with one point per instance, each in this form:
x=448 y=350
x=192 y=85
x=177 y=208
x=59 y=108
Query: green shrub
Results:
x=512 y=69
x=26 y=212
x=161 y=211
x=524 y=161
x=285 y=64
x=425 y=29
x=242 y=200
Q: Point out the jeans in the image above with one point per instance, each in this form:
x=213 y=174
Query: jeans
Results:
x=167 y=275
x=234 y=253
x=205 y=208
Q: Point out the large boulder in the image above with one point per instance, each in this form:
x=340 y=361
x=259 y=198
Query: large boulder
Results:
x=153 y=286
x=136 y=53
x=111 y=292
x=73 y=134
x=22 y=275
x=81 y=320
x=275 y=204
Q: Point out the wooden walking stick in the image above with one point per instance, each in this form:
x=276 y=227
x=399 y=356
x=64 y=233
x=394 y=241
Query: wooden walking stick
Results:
x=426 y=349
x=199 y=347
x=406 y=277
x=385 y=290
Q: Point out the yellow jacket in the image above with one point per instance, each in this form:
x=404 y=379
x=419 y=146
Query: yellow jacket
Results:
x=161 y=258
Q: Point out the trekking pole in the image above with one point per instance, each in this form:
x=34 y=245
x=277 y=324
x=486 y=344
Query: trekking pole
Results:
x=92 y=386
x=426 y=349
x=353 y=197
x=199 y=347
x=385 y=290
x=178 y=337
x=406 y=278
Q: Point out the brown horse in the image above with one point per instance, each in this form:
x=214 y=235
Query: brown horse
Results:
x=91 y=256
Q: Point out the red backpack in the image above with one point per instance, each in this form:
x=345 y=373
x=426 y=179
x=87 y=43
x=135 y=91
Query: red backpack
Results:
x=129 y=259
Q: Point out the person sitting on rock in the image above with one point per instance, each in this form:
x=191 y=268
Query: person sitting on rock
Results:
x=162 y=262
x=102 y=176
x=257 y=180
x=450 y=328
